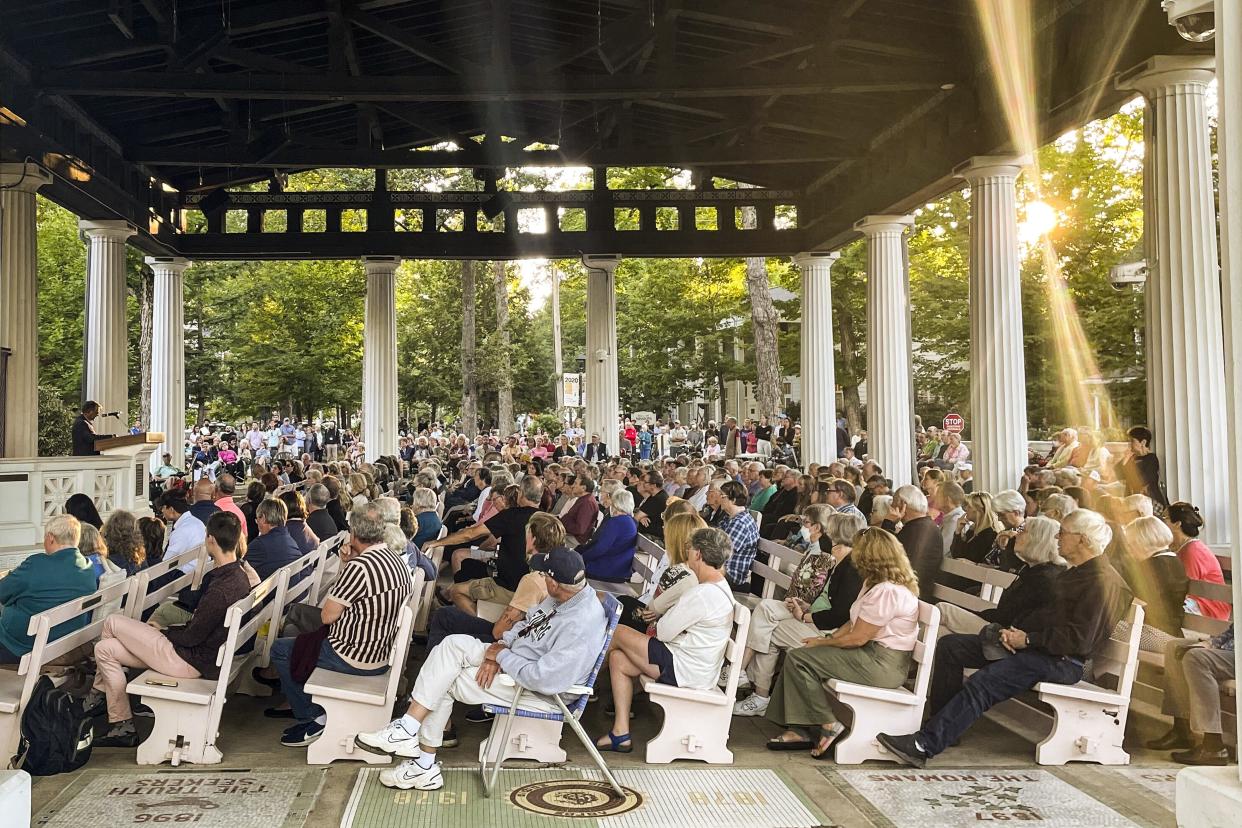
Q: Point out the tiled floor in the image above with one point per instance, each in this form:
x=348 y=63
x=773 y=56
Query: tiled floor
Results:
x=857 y=796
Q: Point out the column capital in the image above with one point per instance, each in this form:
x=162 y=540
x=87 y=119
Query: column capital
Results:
x=991 y=166
x=115 y=230
x=816 y=257
x=876 y=225
x=173 y=264
x=1163 y=71
x=381 y=264
x=24 y=177
x=602 y=262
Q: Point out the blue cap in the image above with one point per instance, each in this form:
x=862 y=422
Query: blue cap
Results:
x=562 y=565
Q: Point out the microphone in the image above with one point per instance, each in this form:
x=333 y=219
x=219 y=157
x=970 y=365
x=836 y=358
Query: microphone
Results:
x=113 y=414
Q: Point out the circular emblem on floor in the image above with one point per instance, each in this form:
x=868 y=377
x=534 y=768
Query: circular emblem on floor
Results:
x=574 y=798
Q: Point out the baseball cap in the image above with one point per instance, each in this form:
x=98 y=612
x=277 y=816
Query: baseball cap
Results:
x=562 y=565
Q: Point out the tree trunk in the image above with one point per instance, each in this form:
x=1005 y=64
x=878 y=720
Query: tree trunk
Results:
x=504 y=382
x=764 y=322
x=145 y=298
x=848 y=375
x=469 y=381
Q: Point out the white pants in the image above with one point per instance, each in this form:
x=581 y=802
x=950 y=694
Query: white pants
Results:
x=448 y=676
x=955 y=620
x=772 y=629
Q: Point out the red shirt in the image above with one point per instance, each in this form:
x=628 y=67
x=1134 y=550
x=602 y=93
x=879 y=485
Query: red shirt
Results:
x=1201 y=565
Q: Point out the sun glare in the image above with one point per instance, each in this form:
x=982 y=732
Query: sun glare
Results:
x=1040 y=220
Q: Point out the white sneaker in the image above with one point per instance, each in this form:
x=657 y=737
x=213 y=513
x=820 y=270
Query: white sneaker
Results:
x=409 y=775
x=393 y=739
x=752 y=705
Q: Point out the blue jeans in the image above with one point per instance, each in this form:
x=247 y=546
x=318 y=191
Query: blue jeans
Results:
x=955 y=707
x=305 y=710
x=448 y=621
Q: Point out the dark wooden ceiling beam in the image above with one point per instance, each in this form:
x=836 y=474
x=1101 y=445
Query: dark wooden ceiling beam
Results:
x=409 y=41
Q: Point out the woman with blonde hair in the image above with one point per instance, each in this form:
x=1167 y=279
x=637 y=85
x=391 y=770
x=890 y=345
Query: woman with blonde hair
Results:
x=357 y=490
x=977 y=531
x=873 y=648
x=676 y=579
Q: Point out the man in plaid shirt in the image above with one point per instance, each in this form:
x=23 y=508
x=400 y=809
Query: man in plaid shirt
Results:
x=1193 y=672
x=730 y=496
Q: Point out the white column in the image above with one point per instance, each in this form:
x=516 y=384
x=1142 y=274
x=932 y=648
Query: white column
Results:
x=379 y=357
x=107 y=329
x=1185 y=356
x=19 y=305
x=603 y=394
x=997 y=370
x=168 y=356
x=819 y=382
x=890 y=413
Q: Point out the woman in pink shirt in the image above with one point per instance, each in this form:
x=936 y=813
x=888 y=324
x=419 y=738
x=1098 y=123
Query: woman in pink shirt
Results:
x=1200 y=562
x=874 y=648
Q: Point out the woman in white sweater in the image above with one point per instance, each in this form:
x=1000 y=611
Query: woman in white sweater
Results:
x=689 y=645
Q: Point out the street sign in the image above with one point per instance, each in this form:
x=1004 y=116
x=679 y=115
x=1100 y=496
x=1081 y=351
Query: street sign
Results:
x=954 y=423
x=571 y=390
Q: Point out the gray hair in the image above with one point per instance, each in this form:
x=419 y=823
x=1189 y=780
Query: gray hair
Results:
x=91 y=542
x=881 y=505
x=367 y=524
x=394 y=538
x=1009 y=501
x=1058 y=506
x=1149 y=534
x=318 y=496
x=1140 y=504
x=623 y=502
x=610 y=487
x=426 y=479
x=423 y=499
x=65 y=530
x=532 y=489
x=1094 y=529
x=913 y=497
x=390 y=508
x=841 y=527
x=713 y=545
x=1040 y=544
x=273 y=512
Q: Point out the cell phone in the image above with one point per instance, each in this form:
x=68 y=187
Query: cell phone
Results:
x=161 y=683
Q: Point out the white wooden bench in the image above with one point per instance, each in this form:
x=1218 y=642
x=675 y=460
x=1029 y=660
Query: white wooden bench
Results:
x=992 y=583
x=145 y=598
x=423 y=616
x=17 y=685
x=696 y=722
x=776 y=572
x=881 y=709
x=187 y=711
x=355 y=704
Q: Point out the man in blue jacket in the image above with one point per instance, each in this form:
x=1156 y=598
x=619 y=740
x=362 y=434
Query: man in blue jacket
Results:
x=554 y=648
x=42 y=582
x=274 y=547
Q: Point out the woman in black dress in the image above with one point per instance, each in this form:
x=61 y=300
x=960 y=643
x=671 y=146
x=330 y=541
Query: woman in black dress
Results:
x=1139 y=469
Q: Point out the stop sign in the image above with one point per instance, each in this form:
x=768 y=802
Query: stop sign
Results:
x=953 y=423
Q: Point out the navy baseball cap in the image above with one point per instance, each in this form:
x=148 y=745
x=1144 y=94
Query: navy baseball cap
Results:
x=562 y=565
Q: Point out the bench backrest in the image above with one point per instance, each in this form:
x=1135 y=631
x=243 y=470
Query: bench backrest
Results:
x=1201 y=624
x=758 y=517
x=310 y=567
x=143 y=598
x=405 y=630
x=240 y=630
x=328 y=548
x=992 y=583
x=1120 y=656
x=778 y=571
x=41 y=625
x=925 y=646
x=736 y=647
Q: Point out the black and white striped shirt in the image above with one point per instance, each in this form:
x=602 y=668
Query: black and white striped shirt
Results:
x=372 y=587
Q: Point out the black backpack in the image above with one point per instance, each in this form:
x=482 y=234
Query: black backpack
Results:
x=56 y=732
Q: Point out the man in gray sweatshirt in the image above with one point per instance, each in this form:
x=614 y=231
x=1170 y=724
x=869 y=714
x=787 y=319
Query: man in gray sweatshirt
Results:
x=554 y=648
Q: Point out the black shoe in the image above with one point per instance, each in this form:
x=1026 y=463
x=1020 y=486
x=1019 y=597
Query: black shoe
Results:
x=117 y=737
x=273 y=683
x=449 y=739
x=1200 y=756
x=1173 y=740
x=480 y=716
x=142 y=710
x=904 y=748
x=277 y=713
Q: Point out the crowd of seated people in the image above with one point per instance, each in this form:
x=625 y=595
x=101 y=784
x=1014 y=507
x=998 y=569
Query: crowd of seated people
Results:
x=527 y=523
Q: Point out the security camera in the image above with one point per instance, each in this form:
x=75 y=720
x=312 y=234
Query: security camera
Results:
x=1132 y=273
x=601 y=355
x=1195 y=20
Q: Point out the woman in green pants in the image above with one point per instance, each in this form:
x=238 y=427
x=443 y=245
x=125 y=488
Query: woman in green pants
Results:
x=874 y=648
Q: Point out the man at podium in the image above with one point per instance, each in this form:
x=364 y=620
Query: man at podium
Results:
x=84 y=436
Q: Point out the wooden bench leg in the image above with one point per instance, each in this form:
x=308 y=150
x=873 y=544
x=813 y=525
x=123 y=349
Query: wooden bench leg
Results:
x=182 y=733
x=536 y=740
x=10 y=734
x=1083 y=731
x=346 y=720
x=872 y=717
x=691 y=730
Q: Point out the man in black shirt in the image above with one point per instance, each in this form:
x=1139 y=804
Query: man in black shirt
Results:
x=920 y=537
x=650 y=509
x=1050 y=643
x=84 y=435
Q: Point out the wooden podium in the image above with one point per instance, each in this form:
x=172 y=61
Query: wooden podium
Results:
x=129 y=445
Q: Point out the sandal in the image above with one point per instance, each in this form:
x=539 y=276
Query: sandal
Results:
x=780 y=743
x=617 y=744
x=824 y=742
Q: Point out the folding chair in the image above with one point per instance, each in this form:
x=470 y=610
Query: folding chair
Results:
x=497 y=751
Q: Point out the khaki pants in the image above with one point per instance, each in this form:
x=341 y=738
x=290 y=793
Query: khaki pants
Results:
x=957 y=621
x=799 y=697
x=170 y=615
x=1192 y=679
x=123 y=643
x=448 y=675
x=772 y=629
